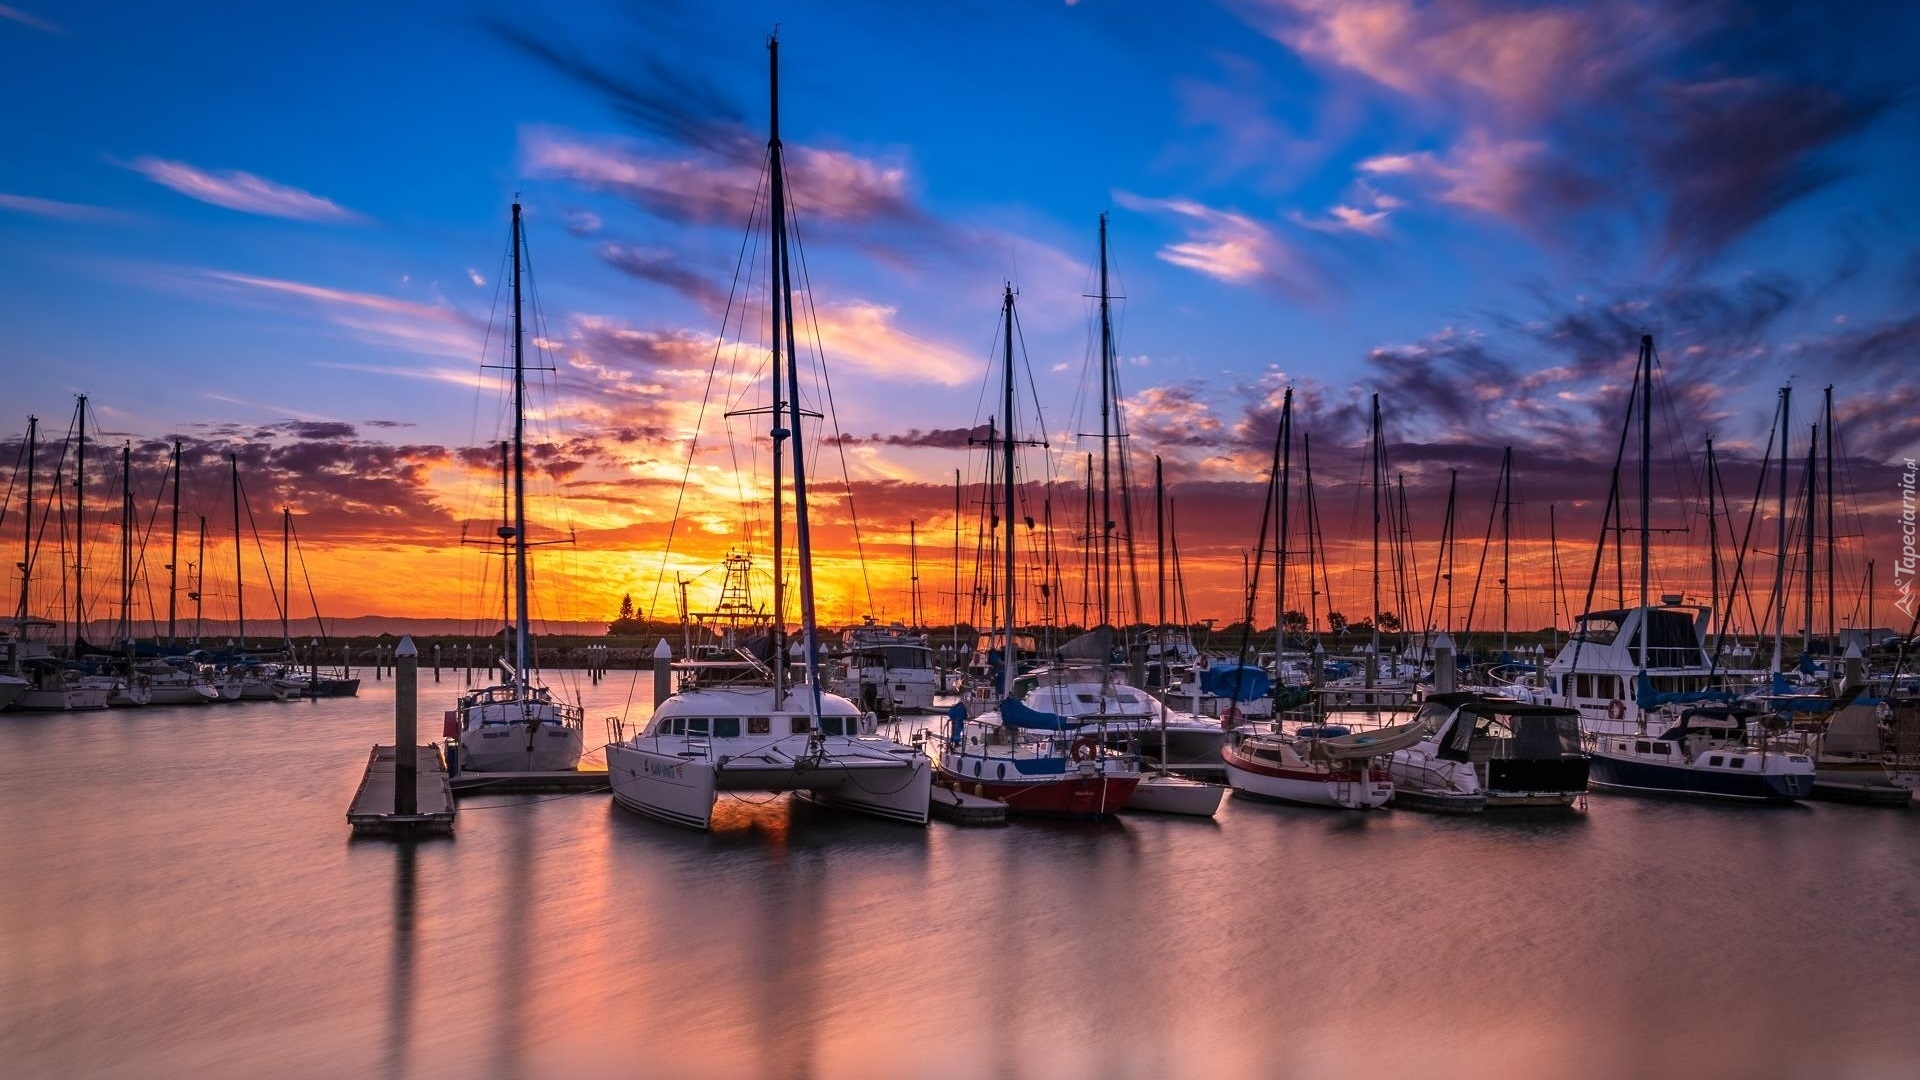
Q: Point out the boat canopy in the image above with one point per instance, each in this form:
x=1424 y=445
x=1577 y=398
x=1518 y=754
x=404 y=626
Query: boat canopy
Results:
x=1015 y=715
x=1240 y=682
x=1648 y=698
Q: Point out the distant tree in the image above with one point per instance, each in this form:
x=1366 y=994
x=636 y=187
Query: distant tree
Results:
x=626 y=608
x=1389 y=622
x=1294 y=623
x=1336 y=622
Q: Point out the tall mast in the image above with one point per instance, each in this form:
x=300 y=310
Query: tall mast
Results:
x=173 y=559
x=956 y=565
x=1284 y=490
x=199 y=581
x=1833 y=641
x=1780 y=548
x=1813 y=450
x=519 y=476
x=1713 y=545
x=776 y=250
x=1373 y=616
x=1553 y=549
x=239 y=588
x=1506 y=547
x=286 y=575
x=1646 y=490
x=1006 y=464
x=80 y=525
x=505 y=532
x=1106 y=432
x=1313 y=541
x=913 y=571
x=1160 y=609
x=1453 y=490
x=26 y=530
x=782 y=303
x=126 y=543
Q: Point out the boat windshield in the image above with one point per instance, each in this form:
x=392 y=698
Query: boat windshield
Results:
x=1544 y=735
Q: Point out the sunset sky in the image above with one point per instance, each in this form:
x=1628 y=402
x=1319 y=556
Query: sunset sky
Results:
x=280 y=232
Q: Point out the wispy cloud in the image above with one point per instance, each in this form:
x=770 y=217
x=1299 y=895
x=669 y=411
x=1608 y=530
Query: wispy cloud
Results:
x=1223 y=244
x=721 y=189
x=426 y=329
x=51 y=208
x=242 y=191
x=12 y=14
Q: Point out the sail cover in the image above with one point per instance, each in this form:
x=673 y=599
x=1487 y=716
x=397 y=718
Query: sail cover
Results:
x=1015 y=715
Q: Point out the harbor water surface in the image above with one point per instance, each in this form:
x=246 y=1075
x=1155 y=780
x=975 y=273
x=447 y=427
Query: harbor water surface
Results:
x=179 y=898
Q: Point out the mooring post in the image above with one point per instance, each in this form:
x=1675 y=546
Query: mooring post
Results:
x=662 y=672
x=346 y=661
x=436 y=661
x=1444 y=671
x=406 y=733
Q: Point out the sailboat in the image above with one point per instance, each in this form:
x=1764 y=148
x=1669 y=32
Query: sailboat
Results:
x=1319 y=764
x=746 y=729
x=1035 y=760
x=517 y=724
x=1163 y=791
x=50 y=685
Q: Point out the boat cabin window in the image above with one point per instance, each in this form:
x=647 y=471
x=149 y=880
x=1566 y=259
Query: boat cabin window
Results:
x=697 y=725
x=726 y=727
x=831 y=725
x=1642 y=746
x=759 y=725
x=1716 y=759
x=671 y=727
x=1737 y=763
x=798 y=725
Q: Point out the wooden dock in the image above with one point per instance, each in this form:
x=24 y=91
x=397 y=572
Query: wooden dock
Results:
x=530 y=783
x=962 y=809
x=372 y=811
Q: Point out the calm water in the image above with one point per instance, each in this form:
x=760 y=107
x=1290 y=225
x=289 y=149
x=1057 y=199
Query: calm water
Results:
x=179 y=897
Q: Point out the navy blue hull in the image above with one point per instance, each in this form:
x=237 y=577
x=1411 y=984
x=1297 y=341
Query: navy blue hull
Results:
x=1652 y=776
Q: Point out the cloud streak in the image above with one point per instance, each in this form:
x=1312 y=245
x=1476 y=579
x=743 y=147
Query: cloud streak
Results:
x=52 y=208
x=241 y=191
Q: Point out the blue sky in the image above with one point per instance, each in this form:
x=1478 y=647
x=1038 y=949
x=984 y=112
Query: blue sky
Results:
x=216 y=217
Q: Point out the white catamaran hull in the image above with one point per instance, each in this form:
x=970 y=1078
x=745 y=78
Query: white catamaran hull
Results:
x=681 y=790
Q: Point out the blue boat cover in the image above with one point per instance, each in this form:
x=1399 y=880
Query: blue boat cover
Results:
x=1647 y=697
x=1240 y=682
x=1015 y=715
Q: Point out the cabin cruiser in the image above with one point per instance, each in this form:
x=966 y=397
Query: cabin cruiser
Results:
x=1605 y=663
x=1707 y=753
x=887 y=670
x=1487 y=751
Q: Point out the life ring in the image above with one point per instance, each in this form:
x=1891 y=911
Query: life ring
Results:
x=1083 y=748
x=1617 y=709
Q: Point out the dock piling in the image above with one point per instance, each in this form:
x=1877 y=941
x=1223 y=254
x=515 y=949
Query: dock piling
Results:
x=1444 y=670
x=662 y=672
x=406 y=726
x=436 y=661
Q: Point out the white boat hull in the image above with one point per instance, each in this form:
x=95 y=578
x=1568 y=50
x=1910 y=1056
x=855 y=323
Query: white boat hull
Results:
x=1358 y=794
x=681 y=790
x=497 y=748
x=63 y=700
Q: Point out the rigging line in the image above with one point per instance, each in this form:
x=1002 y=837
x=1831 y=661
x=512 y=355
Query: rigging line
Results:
x=300 y=553
x=1746 y=539
x=693 y=446
x=826 y=381
x=1480 y=570
x=1613 y=501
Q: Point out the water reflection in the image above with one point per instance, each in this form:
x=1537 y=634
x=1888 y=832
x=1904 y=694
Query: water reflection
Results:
x=400 y=977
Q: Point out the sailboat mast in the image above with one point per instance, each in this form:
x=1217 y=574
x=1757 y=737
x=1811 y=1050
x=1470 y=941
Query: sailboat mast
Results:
x=956 y=565
x=1106 y=432
x=519 y=475
x=778 y=223
x=1833 y=641
x=199 y=580
x=1553 y=549
x=1284 y=491
x=80 y=525
x=506 y=541
x=1713 y=545
x=913 y=571
x=286 y=574
x=1646 y=489
x=1780 y=548
x=1506 y=547
x=1160 y=609
x=173 y=559
x=1373 y=616
x=126 y=543
x=26 y=529
x=239 y=588
x=802 y=530
x=1006 y=463
x=1813 y=451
